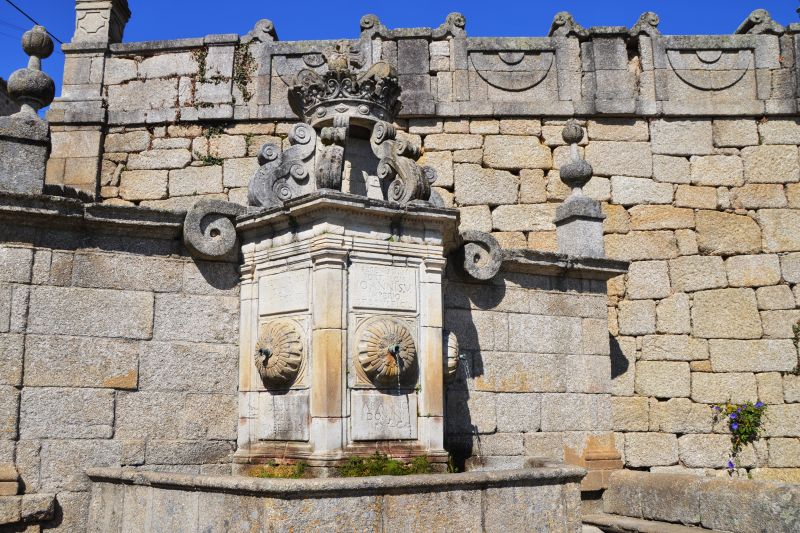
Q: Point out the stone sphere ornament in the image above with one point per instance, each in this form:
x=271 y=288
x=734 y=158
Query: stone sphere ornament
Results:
x=279 y=353
x=36 y=42
x=387 y=353
x=30 y=87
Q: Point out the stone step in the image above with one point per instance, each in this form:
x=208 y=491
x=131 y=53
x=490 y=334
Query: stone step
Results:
x=610 y=523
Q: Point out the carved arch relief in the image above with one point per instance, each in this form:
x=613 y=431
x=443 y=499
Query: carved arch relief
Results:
x=512 y=70
x=710 y=70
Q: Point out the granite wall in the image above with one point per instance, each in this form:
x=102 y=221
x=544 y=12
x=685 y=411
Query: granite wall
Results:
x=118 y=349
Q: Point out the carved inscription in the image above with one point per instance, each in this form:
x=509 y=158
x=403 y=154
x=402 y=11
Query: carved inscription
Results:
x=284 y=292
x=377 y=416
x=283 y=416
x=384 y=287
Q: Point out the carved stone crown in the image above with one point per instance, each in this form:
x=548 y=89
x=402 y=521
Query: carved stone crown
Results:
x=370 y=96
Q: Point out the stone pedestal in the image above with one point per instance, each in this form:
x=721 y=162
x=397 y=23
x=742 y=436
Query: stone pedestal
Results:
x=24 y=146
x=341 y=330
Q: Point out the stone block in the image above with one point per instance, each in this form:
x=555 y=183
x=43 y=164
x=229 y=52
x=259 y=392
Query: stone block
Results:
x=648 y=280
x=452 y=141
x=442 y=162
x=91 y=312
x=81 y=362
x=696 y=197
x=623 y=365
x=630 y=413
x=783 y=421
x=791 y=388
x=183 y=452
x=476 y=186
x=671 y=169
x=717 y=170
x=637 y=317
x=735 y=132
x=63 y=463
x=513 y=152
x=650 y=449
x=544 y=334
x=131 y=141
x=680 y=415
x=227 y=146
x=612 y=158
x=471 y=412
x=673 y=348
x=484 y=126
x=777 y=131
x=521 y=373
x=753 y=270
x=641 y=245
x=672 y=315
x=532 y=186
x=681 y=137
x=758 y=196
x=696 y=272
x=195 y=180
x=160 y=159
x=126 y=271
x=777 y=355
x=654 y=217
x=663 y=379
x=770 y=387
x=66 y=413
x=524 y=217
x=723 y=387
x=790 y=267
x=9 y=413
x=706 y=450
x=168 y=65
x=779 y=227
x=164 y=367
x=631 y=191
x=771 y=164
x=727 y=234
x=726 y=314
x=742 y=505
x=617 y=129
x=175 y=415
x=12 y=348
x=544 y=445
x=520 y=413
x=775 y=297
x=617 y=219
x=138 y=185
x=780 y=324
x=687 y=242
x=575 y=412
x=520 y=126
x=793 y=195
x=197 y=318
x=784 y=452
x=16 y=264
x=477 y=217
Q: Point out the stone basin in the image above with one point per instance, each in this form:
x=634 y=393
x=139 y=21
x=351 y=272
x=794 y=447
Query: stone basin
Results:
x=529 y=499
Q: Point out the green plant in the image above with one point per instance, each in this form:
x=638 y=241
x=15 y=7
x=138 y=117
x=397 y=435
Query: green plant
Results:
x=244 y=66
x=275 y=470
x=214 y=130
x=200 y=56
x=796 y=339
x=745 y=423
x=209 y=160
x=381 y=464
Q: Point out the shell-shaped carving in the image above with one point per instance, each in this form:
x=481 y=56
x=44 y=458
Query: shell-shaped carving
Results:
x=279 y=353
x=451 y=352
x=512 y=71
x=710 y=70
x=387 y=352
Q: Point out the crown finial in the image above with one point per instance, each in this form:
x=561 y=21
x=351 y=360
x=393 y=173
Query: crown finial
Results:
x=30 y=87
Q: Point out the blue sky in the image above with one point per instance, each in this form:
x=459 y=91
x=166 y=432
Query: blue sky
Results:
x=316 y=19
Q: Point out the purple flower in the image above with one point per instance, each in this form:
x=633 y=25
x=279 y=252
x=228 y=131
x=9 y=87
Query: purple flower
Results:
x=759 y=404
x=731 y=466
x=733 y=416
x=734 y=426
x=716 y=408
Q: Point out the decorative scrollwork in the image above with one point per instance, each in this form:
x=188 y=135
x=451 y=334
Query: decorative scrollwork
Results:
x=387 y=353
x=279 y=353
x=483 y=255
x=208 y=231
x=284 y=176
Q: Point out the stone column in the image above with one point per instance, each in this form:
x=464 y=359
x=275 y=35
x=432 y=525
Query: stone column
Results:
x=431 y=394
x=328 y=344
x=77 y=117
x=248 y=333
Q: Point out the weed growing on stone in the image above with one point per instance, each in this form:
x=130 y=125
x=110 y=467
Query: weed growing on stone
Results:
x=382 y=465
x=209 y=160
x=796 y=332
x=745 y=422
x=274 y=470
